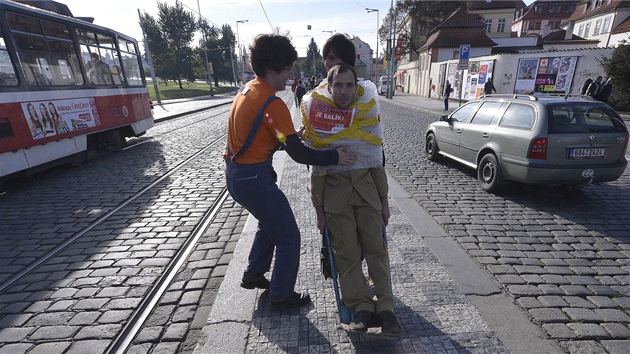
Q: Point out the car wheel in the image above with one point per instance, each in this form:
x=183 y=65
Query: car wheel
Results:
x=489 y=172
x=431 y=148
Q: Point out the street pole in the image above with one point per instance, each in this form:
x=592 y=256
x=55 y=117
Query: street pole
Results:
x=205 y=50
x=376 y=69
x=390 y=49
x=232 y=62
x=240 y=53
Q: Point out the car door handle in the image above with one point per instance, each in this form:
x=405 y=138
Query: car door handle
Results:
x=485 y=135
x=459 y=131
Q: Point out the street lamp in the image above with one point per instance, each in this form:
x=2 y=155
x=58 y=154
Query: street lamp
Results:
x=375 y=10
x=238 y=39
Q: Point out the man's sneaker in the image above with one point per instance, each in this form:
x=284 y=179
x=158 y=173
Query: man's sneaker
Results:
x=253 y=280
x=361 y=322
x=389 y=324
x=293 y=301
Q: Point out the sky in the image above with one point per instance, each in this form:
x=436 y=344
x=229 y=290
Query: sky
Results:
x=324 y=17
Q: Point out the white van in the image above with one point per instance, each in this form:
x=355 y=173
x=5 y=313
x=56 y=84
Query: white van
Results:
x=382 y=85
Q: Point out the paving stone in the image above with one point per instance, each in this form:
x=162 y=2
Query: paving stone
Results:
x=588 y=331
x=524 y=290
x=548 y=315
x=576 y=290
x=617 y=330
x=12 y=335
x=616 y=346
x=50 y=348
x=88 y=346
x=54 y=332
x=100 y=331
x=575 y=301
x=602 y=301
x=613 y=315
x=552 y=301
x=550 y=289
x=529 y=302
x=582 y=315
x=559 y=331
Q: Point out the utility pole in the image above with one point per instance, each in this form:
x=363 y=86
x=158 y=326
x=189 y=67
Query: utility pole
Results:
x=377 y=23
x=238 y=42
x=146 y=48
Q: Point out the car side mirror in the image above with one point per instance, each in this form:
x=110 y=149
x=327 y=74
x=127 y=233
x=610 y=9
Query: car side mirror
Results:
x=444 y=118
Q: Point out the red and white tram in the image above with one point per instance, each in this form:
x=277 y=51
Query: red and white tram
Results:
x=69 y=89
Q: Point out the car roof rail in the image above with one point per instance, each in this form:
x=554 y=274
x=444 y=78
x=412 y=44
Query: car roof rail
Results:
x=511 y=95
x=568 y=95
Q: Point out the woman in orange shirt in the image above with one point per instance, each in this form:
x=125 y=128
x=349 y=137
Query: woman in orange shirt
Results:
x=258 y=125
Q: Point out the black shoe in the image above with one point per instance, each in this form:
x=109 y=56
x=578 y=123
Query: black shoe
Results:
x=361 y=322
x=294 y=301
x=389 y=324
x=253 y=280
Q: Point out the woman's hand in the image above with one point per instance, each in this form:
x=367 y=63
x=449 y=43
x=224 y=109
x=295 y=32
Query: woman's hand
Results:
x=346 y=158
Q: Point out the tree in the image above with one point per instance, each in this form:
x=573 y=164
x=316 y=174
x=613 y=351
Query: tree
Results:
x=169 y=40
x=312 y=56
x=425 y=16
x=617 y=67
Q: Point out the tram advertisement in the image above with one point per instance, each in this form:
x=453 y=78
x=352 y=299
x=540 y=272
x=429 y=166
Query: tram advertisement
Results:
x=50 y=118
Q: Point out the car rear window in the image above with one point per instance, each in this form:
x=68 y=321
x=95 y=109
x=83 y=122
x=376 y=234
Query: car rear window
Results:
x=520 y=116
x=583 y=118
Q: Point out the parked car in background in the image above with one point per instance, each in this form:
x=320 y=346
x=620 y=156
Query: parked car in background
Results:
x=533 y=139
x=382 y=85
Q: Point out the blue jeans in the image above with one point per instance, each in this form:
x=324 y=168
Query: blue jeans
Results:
x=254 y=187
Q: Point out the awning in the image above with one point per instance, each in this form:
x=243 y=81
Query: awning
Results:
x=400 y=72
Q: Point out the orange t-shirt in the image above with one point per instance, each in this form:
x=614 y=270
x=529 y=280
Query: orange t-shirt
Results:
x=275 y=127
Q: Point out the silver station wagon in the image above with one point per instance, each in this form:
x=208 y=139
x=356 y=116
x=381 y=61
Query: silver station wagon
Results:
x=571 y=140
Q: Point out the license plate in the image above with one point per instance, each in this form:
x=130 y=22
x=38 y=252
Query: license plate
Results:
x=591 y=153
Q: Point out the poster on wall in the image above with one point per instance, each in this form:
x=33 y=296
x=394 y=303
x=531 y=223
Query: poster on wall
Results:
x=545 y=75
x=52 y=118
x=476 y=76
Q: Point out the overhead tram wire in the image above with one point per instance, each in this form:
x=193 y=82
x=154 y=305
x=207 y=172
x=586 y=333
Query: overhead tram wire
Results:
x=265 y=12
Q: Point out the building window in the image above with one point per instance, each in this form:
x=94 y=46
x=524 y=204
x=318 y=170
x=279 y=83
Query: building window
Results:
x=501 y=26
x=598 y=24
x=538 y=10
x=587 y=29
x=489 y=26
x=537 y=25
x=570 y=8
x=455 y=54
x=531 y=25
x=555 y=9
x=606 y=25
x=580 y=30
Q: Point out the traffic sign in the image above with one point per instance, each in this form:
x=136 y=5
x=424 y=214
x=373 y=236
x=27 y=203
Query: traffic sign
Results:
x=464 y=54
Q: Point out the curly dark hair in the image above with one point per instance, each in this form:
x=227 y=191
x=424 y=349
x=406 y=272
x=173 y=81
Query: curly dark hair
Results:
x=271 y=52
x=343 y=48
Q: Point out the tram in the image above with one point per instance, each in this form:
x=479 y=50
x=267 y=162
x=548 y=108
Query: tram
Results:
x=69 y=90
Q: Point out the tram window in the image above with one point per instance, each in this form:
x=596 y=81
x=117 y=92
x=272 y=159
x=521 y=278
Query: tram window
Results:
x=44 y=55
x=7 y=72
x=100 y=58
x=129 y=58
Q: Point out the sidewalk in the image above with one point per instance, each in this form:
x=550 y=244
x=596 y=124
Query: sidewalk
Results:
x=443 y=299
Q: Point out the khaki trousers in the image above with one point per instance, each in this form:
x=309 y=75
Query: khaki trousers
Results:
x=355 y=230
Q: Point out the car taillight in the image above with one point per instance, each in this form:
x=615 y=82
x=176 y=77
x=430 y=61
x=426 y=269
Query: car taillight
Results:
x=538 y=149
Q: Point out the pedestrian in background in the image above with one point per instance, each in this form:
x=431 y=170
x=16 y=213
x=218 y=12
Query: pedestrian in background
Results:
x=594 y=87
x=606 y=90
x=257 y=125
x=489 y=87
x=585 y=86
x=447 y=93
